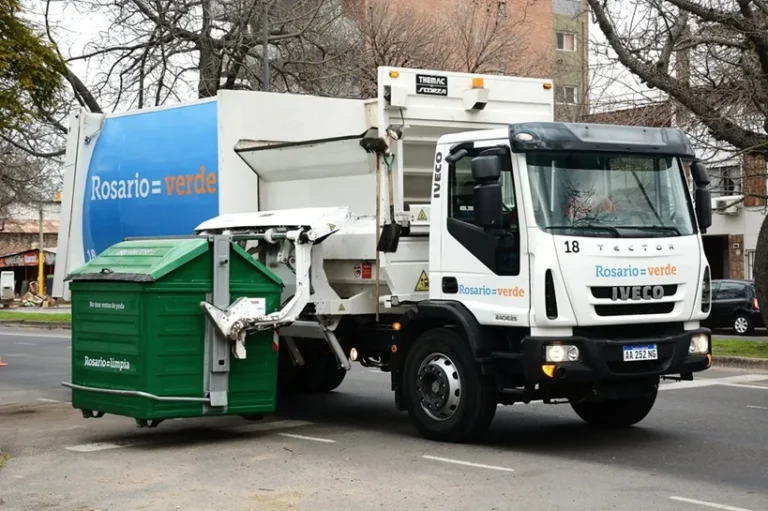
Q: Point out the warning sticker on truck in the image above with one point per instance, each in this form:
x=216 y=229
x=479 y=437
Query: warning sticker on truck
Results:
x=432 y=85
x=423 y=284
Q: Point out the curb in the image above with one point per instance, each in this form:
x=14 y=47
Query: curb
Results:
x=741 y=362
x=48 y=325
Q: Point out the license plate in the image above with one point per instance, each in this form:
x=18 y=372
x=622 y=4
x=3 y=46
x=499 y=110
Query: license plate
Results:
x=646 y=352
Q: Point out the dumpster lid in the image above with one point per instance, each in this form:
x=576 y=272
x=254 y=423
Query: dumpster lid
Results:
x=140 y=260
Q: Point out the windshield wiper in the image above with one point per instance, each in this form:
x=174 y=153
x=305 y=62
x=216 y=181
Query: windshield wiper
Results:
x=660 y=228
x=607 y=228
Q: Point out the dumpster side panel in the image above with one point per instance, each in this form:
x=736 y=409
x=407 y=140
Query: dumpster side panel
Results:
x=253 y=381
x=176 y=327
x=107 y=338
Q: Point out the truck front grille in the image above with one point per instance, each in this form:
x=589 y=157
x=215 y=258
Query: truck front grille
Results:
x=605 y=293
x=634 y=309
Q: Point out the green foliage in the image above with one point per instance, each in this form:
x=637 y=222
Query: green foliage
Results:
x=31 y=71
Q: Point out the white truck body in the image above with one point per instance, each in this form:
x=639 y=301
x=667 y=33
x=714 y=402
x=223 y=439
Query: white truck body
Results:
x=498 y=287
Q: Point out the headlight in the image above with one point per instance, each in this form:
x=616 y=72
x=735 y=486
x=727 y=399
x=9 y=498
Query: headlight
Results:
x=562 y=353
x=699 y=345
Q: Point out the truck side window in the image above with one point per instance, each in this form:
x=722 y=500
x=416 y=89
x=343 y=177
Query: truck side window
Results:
x=498 y=250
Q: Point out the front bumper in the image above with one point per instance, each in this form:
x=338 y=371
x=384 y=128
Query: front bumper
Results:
x=602 y=359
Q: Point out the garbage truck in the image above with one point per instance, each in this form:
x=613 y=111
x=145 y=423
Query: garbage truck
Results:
x=451 y=233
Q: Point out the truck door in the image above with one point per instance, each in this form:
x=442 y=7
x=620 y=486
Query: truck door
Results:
x=485 y=270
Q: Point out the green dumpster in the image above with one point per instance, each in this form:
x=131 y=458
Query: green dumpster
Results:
x=141 y=344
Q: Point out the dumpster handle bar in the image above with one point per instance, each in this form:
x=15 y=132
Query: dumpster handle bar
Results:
x=136 y=393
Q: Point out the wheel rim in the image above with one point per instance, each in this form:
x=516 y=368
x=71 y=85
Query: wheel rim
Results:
x=439 y=386
x=740 y=325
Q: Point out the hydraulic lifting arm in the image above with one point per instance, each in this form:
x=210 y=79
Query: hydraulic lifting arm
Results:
x=247 y=314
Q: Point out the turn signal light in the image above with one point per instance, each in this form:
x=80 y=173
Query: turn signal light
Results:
x=396 y=326
x=547 y=85
x=478 y=83
x=394 y=74
x=549 y=370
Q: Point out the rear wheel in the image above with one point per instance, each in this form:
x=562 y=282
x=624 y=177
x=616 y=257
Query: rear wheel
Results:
x=617 y=413
x=446 y=396
x=743 y=325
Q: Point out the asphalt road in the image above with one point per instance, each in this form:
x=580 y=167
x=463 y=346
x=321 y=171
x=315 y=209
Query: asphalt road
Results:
x=704 y=446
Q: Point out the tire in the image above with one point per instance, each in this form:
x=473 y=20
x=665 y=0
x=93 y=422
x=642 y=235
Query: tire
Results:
x=321 y=372
x=429 y=381
x=619 y=413
x=742 y=325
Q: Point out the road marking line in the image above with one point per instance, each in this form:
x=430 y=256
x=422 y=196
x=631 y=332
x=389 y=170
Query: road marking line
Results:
x=746 y=378
x=26 y=343
x=744 y=386
x=312 y=438
x=269 y=426
x=238 y=429
x=46 y=400
x=709 y=504
x=95 y=447
x=377 y=371
x=758 y=407
x=467 y=463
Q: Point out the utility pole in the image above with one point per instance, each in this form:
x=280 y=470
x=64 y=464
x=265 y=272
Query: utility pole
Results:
x=265 y=42
x=41 y=257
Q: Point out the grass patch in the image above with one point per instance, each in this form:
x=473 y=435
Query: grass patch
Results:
x=55 y=317
x=738 y=348
x=4 y=458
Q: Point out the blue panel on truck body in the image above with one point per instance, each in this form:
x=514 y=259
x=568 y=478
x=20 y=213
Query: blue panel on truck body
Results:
x=151 y=174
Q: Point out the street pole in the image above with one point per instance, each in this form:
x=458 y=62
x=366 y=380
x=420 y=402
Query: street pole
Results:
x=41 y=258
x=265 y=42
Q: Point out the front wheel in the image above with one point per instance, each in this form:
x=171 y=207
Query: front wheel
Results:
x=617 y=413
x=446 y=396
x=742 y=325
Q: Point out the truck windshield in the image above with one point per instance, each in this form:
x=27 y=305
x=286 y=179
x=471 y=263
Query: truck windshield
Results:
x=609 y=195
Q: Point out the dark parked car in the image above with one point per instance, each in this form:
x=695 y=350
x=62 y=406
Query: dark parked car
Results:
x=734 y=306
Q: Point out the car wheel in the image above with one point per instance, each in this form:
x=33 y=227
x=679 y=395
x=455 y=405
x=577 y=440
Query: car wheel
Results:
x=742 y=325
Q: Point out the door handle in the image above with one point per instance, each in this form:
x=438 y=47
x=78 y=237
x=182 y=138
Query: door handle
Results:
x=450 y=285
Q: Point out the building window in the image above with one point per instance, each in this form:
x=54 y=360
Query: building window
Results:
x=566 y=94
x=750 y=264
x=725 y=180
x=566 y=41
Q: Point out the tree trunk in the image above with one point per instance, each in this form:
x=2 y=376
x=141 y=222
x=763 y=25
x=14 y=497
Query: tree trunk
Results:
x=760 y=269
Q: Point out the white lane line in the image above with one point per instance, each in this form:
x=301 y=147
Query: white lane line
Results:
x=746 y=378
x=46 y=400
x=99 y=446
x=709 y=504
x=467 y=463
x=758 y=407
x=26 y=343
x=745 y=386
x=95 y=447
x=311 y=438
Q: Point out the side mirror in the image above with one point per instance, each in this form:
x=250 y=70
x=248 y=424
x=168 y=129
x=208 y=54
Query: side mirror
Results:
x=699 y=173
x=703 y=208
x=486 y=171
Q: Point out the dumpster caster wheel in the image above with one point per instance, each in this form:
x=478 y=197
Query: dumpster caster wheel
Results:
x=89 y=414
x=142 y=423
x=252 y=417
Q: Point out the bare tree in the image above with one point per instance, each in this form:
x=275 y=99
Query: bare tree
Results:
x=24 y=179
x=494 y=37
x=710 y=56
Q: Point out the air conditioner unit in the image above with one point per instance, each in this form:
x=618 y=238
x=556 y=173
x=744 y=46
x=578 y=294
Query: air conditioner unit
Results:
x=727 y=205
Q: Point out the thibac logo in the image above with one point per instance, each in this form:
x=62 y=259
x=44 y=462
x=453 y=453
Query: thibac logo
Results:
x=668 y=270
x=202 y=183
x=514 y=292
